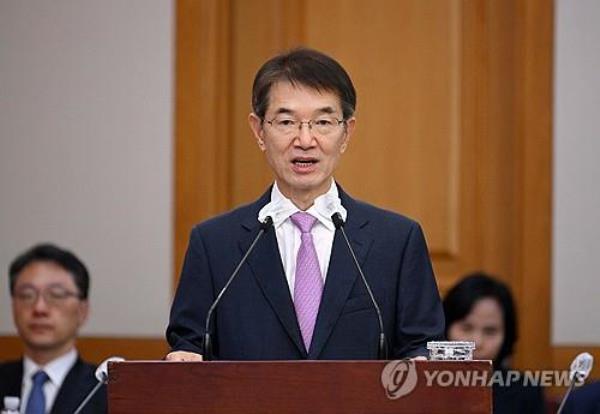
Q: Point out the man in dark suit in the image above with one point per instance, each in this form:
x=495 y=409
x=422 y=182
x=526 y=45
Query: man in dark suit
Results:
x=49 y=288
x=300 y=295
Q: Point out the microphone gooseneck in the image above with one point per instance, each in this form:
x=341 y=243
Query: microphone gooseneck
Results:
x=264 y=227
x=101 y=375
x=580 y=369
x=382 y=352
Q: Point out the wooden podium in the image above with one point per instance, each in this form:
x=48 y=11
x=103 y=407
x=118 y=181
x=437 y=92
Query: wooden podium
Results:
x=306 y=387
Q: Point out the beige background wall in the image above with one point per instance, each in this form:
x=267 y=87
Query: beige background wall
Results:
x=86 y=150
x=576 y=218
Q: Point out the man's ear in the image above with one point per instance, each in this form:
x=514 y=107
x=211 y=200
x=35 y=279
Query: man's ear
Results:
x=84 y=311
x=256 y=125
x=349 y=130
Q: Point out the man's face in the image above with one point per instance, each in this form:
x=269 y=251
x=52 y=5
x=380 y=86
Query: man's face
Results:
x=46 y=307
x=303 y=160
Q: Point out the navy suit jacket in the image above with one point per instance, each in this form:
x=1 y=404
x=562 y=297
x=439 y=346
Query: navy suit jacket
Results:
x=77 y=384
x=256 y=320
x=585 y=400
x=517 y=397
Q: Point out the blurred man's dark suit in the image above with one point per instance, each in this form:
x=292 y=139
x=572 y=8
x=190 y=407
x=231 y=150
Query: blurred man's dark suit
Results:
x=77 y=384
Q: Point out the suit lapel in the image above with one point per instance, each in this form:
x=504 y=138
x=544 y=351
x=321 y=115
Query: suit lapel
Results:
x=342 y=273
x=267 y=267
x=70 y=393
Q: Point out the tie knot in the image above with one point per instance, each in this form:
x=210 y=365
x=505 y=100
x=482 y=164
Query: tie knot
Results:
x=39 y=378
x=303 y=221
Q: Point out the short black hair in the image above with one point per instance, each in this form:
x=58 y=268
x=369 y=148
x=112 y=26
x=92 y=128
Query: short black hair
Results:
x=47 y=252
x=460 y=300
x=306 y=67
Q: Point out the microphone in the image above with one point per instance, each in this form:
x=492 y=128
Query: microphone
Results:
x=264 y=226
x=101 y=375
x=382 y=352
x=580 y=369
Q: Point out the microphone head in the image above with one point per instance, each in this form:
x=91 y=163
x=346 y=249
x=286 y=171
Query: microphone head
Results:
x=266 y=223
x=581 y=367
x=102 y=370
x=337 y=219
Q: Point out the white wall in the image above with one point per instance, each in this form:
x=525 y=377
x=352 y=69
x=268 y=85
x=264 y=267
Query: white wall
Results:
x=86 y=150
x=576 y=222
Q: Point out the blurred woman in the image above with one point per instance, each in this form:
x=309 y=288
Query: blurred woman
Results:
x=481 y=309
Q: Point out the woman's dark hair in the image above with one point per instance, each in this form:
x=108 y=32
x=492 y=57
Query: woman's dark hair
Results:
x=51 y=253
x=306 y=67
x=460 y=300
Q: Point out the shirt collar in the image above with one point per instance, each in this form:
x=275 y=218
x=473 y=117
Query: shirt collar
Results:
x=280 y=208
x=56 y=369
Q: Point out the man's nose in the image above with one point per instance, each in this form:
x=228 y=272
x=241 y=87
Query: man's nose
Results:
x=40 y=305
x=305 y=137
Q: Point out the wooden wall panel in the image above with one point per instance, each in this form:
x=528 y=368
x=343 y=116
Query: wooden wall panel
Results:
x=202 y=116
x=497 y=139
x=261 y=29
x=97 y=349
x=435 y=132
x=533 y=122
x=404 y=57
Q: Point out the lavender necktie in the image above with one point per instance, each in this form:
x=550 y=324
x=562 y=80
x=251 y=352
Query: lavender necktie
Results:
x=308 y=285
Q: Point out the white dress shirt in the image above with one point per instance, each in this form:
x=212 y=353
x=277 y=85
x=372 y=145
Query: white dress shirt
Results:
x=56 y=370
x=281 y=208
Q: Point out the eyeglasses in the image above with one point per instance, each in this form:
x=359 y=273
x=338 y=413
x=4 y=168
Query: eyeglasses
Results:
x=322 y=126
x=54 y=296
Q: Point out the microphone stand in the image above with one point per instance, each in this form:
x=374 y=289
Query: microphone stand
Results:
x=207 y=355
x=566 y=397
x=89 y=397
x=382 y=351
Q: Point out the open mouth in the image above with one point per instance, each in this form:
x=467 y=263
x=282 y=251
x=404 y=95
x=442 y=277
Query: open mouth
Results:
x=304 y=162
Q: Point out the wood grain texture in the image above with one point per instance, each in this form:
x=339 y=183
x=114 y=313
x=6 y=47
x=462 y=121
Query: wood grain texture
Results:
x=202 y=122
x=96 y=349
x=533 y=120
x=262 y=29
x=404 y=58
x=286 y=388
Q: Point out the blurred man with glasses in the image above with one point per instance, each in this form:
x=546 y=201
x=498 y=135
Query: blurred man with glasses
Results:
x=300 y=296
x=49 y=288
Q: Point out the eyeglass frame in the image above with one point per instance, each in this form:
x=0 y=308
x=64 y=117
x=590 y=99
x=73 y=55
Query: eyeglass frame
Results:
x=310 y=124
x=56 y=301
